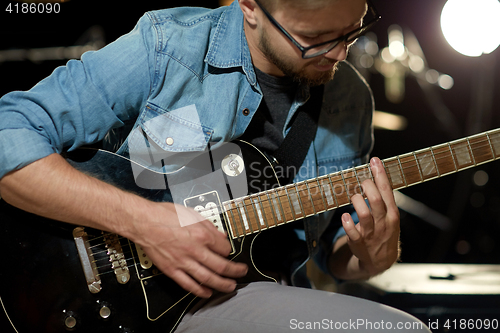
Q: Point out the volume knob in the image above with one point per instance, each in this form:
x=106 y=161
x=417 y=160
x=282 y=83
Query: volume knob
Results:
x=70 y=322
x=105 y=312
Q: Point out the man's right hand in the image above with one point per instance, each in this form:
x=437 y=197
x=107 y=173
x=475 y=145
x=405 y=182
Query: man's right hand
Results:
x=194 y=256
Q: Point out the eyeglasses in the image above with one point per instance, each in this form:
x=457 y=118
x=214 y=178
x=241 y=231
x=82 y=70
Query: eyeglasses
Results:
x=325 y=47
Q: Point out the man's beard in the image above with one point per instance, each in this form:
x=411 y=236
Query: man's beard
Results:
x=289 y=70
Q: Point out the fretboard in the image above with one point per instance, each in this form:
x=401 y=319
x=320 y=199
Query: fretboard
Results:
x=281 y=205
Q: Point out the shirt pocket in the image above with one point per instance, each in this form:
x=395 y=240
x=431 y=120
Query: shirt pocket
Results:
x=164 y=141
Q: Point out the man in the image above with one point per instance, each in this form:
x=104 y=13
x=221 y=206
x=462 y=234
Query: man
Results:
x=233 y=64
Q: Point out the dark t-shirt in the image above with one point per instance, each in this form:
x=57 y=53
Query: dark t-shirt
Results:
x=265 y=131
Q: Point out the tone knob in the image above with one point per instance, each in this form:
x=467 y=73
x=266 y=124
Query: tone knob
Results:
x=105 y=312
x=70 y=322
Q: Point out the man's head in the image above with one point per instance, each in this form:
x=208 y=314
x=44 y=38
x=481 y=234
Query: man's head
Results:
x=281 y=32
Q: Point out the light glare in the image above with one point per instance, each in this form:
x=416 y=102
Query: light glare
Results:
x=471 y=27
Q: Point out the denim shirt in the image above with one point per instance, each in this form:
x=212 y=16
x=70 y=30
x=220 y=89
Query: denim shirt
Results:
x=183 y=77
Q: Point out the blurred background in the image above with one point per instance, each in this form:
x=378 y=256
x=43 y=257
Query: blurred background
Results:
x=426 y=93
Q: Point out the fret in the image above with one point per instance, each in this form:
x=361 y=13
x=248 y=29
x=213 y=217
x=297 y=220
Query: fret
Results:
x=300 y=197
x=327 y=188
x=359 y=184
x=471 y=152
x=297 y=205
x=310 y=196
x=481 y=151
x=290 y=205
x=240 y=217
x=318 y=195
x=322 y=195
x=444 y=160
x=434 y=159
x=233 y=223
x=333 y=192
x=345 y=186
x=495 y=141
x=253 y=210
x=461 y=154
x=363 y=172
x=243 y=213
x=278 y=197
x=371 y=174
x=277 y=205
x=251 y=214
x=261 y=217
x=338 y=183
x=394 y=173
x=418 y=167
x=232 y=226
x=411 y=169
x=267 y=210
x=352 y=185
x=427 y=166
x=451 y=152
x=303 y=198
x=271 y=207
x=402 y=172
x=491 y=146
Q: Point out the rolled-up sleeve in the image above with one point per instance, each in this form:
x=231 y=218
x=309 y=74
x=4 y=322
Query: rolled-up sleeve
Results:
x=80 y=102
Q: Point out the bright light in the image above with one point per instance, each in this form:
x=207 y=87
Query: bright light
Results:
x=416 y=64
x=445 y=81
x=397 y=49
x=471 y=27
x=387 y=56
x=396 y=42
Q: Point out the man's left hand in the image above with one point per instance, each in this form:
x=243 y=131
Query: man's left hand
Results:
x=374 y=241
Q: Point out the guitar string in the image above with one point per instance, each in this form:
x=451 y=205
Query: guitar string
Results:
x=449 y=150
x=105 y=250
x=107 y=268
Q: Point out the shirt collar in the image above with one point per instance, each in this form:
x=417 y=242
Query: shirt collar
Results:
x=229 y=47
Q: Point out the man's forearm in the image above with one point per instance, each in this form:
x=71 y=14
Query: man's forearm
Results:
x=346 y=266
x=343 y=264
x=52 y=188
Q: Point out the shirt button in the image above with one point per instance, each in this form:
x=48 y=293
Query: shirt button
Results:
x=314 y=243
x=246 y=112
x=169 y=141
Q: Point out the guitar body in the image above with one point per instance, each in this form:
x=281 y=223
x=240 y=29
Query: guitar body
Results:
x=46 y=288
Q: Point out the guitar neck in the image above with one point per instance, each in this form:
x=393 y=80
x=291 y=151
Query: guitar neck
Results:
x=292 y=202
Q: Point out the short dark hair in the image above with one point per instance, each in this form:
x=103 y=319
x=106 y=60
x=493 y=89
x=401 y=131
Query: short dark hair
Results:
x=271 y=5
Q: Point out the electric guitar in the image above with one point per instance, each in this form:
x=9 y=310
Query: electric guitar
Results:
x=58 y=278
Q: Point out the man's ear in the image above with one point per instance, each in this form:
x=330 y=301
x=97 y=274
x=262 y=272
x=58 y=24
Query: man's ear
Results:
x=248 y=9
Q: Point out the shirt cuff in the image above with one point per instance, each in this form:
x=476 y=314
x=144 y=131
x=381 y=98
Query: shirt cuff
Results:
x=20 y=147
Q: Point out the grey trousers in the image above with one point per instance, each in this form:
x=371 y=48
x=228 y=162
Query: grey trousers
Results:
x=271 y=307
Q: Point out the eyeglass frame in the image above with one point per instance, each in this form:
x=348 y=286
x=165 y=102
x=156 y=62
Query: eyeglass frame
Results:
x=334 y=41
